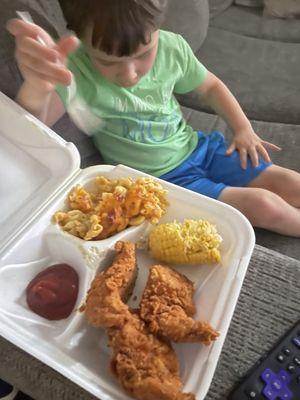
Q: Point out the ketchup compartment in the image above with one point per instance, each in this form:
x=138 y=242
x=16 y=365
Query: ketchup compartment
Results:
x=52 y=293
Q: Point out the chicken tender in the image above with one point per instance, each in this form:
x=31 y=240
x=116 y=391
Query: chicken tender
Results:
x=146 y=366
x=167 y=307
x=105 y=305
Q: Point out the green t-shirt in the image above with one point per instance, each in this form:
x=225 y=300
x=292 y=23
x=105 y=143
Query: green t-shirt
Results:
x=142 y=126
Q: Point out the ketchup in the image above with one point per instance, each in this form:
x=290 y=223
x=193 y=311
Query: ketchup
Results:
x=52 y=294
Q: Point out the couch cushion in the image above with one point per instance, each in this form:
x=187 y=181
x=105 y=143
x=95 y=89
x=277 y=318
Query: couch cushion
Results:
x=216 y=7
x=263 y=75
x=10 y=78
x=285 y=136
x=251 y=22
x=190 y=18
x=250 y=3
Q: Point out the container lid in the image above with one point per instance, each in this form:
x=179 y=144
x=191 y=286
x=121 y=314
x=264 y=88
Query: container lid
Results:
x=35 y=163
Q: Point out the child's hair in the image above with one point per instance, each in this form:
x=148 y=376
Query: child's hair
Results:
x=118 y=26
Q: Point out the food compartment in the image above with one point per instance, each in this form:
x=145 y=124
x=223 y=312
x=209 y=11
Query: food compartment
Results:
x=15 y=278
x=99 y=206
x=94 y=253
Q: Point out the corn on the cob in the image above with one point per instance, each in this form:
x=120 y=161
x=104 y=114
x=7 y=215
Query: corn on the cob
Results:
x=192 y=242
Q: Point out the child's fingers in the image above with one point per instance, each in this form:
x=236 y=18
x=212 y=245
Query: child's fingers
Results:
x=230 y=149
x=35 y=49
x=43 y=82
x=243 y=158
x=19 y=28
x=53 y=71
x=67 y=45
x=253 y=156
x=263 y=152
x=271 y=145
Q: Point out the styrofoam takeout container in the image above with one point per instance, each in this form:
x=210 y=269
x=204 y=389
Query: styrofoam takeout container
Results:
x=37 y=169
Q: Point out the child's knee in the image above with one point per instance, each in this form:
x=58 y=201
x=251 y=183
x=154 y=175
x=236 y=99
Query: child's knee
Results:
x=264 y=207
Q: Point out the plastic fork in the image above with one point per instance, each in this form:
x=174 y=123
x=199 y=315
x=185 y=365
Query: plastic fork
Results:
x=80 y=113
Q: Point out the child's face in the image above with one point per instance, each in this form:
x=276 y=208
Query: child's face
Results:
x=126 y=71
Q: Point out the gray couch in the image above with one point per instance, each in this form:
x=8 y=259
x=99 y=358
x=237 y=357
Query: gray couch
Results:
x=258 y=58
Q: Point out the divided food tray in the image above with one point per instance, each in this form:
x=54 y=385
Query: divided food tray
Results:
x=71 y=346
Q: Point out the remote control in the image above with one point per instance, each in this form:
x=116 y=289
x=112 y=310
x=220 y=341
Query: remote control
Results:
x=276 y=375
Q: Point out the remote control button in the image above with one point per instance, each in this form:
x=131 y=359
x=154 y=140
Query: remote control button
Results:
x=296 y=341
x=267 y=375
x=251 y=394
x=286 y=351
x=286 y=396
x=276 y=385
x=269 y=393
x=297 y=361
x=291 y=368
x=284 y=376
x=280 y=358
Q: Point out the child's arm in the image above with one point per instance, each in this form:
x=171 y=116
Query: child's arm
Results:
x=42 y=67
x=214 y=93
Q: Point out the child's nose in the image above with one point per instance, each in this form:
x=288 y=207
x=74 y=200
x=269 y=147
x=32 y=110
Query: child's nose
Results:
x=129 y=71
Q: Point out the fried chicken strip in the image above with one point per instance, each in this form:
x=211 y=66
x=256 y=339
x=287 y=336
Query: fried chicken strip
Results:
x=167 y=307
x=147 y=367
x=105 y=303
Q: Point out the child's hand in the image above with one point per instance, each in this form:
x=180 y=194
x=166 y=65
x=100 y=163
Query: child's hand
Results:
x=249 y=144
x=42 y=66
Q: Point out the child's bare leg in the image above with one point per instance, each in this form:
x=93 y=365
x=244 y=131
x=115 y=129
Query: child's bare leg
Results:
x=264 y=209
x=282 y=181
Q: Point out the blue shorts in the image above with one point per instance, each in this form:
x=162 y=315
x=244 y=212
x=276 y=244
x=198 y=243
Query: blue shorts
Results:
x=208 y=170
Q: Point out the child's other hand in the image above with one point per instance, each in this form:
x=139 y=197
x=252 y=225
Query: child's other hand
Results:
x=249 y=144
x=42 y=66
